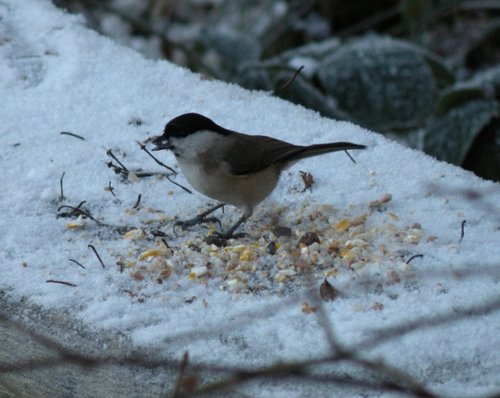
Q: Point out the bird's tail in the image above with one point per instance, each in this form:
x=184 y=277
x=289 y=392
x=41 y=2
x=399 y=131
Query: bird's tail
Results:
x=319 y=149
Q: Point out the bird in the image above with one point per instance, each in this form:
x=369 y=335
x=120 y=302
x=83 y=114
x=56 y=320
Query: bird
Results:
x=231 y=167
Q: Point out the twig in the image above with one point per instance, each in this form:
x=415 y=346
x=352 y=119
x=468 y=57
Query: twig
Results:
x=299 y=370
x=142 y=174
x=124 y=171
x=78 y=211
x=61 y=197
x=397 y=379
x=72 y=135
x=138 y=201
x=110 y=153
x=76 y=262
x=382 y=335
x=350 y=157
x=75 y=210
x=180 y=380
x=322 y=315
x=117 y=169
x=61 y=282
x=179 y=185
x=391 y=377
x=111 y=189
x=302 y=372
x=414 y=257
x=143 y=147
x=159 y=162
x=289 y=81
x=97 y=255
x=462 y=231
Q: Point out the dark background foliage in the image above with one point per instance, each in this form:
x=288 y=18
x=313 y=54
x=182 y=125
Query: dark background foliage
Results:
x=423 y=72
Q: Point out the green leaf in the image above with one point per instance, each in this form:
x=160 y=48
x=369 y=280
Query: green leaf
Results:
x=484 y=156
x=381 y=82
x=449 y=136
x=456 y=96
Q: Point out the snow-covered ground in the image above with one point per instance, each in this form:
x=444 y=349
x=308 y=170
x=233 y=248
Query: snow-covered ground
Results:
x=57 y=76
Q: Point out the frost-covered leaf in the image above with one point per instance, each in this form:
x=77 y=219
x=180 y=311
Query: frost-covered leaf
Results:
x=489 y=80
x=449 y=136
x=457 y=95
x=309 y=56
x=484 y=155
x=444 y=77
x=301 y=91
x=233 y=48
x=254 y=78
x=382 y=83
x=311 y=52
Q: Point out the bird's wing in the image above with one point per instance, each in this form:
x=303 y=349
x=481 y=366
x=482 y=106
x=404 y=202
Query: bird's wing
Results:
x=251 y=154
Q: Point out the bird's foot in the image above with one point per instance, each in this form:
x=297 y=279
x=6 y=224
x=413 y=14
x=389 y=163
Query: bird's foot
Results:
x=196 y=221
x=229 y=235
x=220 y=238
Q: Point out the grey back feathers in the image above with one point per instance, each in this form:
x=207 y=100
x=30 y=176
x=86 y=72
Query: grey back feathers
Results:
x=247 y=154
x=266 y=151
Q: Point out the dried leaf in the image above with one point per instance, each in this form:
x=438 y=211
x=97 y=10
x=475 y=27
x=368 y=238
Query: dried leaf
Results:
x=327 y=291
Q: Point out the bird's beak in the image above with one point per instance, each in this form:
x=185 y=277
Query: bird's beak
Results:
x=161 y=143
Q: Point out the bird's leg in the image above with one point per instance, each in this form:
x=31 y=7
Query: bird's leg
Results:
x=200 y=218
x=229 y=234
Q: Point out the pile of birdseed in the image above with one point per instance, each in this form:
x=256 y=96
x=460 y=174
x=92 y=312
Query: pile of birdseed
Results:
x=361 y=242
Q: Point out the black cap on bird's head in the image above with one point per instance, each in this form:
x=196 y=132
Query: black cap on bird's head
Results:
x=184 y=125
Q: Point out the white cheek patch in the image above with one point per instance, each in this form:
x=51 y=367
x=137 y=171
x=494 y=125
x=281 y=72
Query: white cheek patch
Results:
x=194 y=145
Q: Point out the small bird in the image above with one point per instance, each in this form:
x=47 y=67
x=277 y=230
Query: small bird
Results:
x=231 y=167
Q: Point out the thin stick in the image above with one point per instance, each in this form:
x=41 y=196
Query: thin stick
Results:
x=97 y=255
x=462 y=232
x=76 y=262
x=350 y=157
x=61 y=197
x=72 y=135
x=179 y=185
x=111 y=189
x=289 y=81
x=413 y=257
x=180 y=380
x=137 y=202
x=165 y=243
x=61 y=282
x=143 y=147
x=80 y=211
x=110 y=153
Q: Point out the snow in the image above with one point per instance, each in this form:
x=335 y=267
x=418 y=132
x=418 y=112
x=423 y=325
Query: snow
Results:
x=57 y=76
